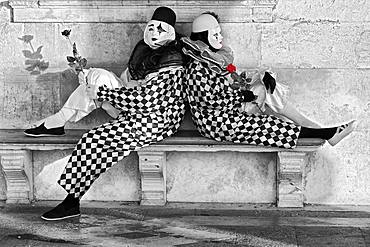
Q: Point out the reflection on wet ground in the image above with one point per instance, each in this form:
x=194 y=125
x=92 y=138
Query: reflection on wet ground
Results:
x=133 y=225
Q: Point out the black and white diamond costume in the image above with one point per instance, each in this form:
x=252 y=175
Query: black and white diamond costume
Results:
x=148 y=113
x=218 y=107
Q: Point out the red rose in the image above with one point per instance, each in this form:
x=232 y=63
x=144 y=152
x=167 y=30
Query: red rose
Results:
x=231 y=68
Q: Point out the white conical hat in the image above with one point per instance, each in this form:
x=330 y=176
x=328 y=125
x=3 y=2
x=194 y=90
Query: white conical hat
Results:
x=203 y=23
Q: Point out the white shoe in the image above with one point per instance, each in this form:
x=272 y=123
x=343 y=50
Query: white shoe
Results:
x=342 y=131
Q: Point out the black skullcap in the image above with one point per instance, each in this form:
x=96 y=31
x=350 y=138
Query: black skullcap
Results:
x=165 y=14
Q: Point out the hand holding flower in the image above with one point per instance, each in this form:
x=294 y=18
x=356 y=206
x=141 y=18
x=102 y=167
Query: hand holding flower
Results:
x=91 y=91
x=241 y=82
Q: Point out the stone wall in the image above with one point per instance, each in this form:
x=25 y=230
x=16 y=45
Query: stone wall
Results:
x=321 y=49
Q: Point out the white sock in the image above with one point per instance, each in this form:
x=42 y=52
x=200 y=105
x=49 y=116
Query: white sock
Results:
x=60 y=118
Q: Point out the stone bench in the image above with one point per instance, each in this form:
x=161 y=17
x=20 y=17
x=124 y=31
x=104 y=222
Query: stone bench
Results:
x=16 y=163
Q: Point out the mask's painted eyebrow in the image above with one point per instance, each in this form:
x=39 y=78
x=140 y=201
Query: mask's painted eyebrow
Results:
x=160 y=29
x=151 y=25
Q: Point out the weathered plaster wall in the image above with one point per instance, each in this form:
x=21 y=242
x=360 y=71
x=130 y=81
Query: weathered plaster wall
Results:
x=221 y=177
x=26 y=97
x=321 y=49
x=2 y=187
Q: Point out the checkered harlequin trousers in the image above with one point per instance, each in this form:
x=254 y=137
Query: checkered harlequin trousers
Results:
x=137 y=127
x=215 y=112
x=103 y=146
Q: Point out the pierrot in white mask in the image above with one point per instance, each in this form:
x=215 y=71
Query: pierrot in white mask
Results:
x=207 y=26
x=160 y=30
x=147 y=113
x=218 y=104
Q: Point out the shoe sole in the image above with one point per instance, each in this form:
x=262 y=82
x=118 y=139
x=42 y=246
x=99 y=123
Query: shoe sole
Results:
x=42 y=135
x=62 y=218
x=335 y=141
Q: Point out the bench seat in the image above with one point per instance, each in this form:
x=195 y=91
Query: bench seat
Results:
x=15 y=160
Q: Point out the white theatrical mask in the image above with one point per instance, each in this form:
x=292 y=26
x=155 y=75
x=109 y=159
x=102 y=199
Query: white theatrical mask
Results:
x=215 y=37
x=158 y=33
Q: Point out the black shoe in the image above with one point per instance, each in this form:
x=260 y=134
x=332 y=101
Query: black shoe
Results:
x=61 y=212
x=41 y=130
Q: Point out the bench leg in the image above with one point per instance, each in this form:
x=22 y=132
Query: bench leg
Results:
x=13 y=163
x=289 y=179
x=152 y=166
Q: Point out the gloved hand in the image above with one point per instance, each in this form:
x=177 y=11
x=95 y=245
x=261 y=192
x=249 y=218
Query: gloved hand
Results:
x=269 y=82
x=248 y=96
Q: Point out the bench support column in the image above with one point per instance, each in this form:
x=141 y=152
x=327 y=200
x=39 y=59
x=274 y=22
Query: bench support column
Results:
x=152 y=166
x=13 y=163
x=289 y=179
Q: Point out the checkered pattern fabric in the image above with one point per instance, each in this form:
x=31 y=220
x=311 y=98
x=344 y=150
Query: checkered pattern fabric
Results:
x=149 y=115
x=215 y=111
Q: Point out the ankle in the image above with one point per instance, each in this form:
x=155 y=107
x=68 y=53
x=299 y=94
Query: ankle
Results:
x=70 y=200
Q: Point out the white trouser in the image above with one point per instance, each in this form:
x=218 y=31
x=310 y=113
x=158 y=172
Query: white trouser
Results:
x=79 y=105
x=79 y=101
x=278 y=102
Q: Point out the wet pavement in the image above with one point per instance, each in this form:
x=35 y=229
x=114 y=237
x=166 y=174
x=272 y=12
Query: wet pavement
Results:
x=186 y=225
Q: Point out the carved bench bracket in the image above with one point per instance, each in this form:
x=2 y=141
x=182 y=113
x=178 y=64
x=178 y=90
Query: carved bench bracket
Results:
x=289 y=179
x=13 y=163
x=152 y=166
